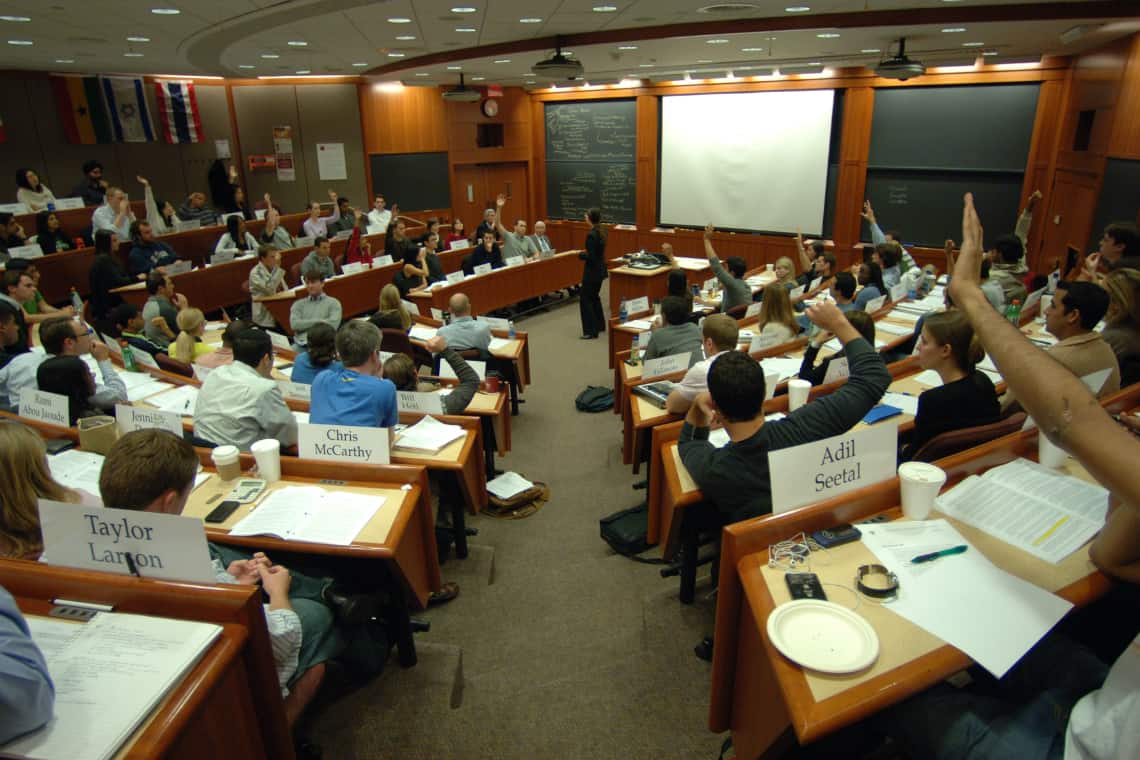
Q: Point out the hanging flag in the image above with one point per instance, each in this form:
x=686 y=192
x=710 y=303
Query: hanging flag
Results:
x=126 y=105
x=178 y=112
x=82 y=112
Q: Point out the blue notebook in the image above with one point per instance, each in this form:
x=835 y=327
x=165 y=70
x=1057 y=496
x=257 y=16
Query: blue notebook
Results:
x=881 y=412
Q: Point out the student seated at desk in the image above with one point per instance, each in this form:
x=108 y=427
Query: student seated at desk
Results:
x=106 y=274
x=115 y=215
x=68 y=376
x=401 y=370
x=196 y=209
x=396 y=243
x=50 y=236
x=412 y=276
x=129 y=325
x=188 y=346
x=319 y=356
x=737 y=291
x=1070 y=317
x=241 y=403
x=31 y=192
x=1007 y=267
x=434 y=264
x=236 y=239
x=1122 y=322
x=487 y=252
x=777 y=320
x=15 y=288
x=966 y=398
x=871 y=278
x=274 y=233
x=27 y=693
x=736 y=479
x=355 y=394
x=159 y=213
x=9 y=332
x=679 y=335
x=860 y=320
x=465 y=331
x=267 y=278
x=315 y=308
x=320 y=259
x=224 y=355
x=719 y=333
x=148 y=253
x=886 y=255
x=391 y=315
x=36 y=309
x=515 y=241
x=160 y=312
x=317 y=226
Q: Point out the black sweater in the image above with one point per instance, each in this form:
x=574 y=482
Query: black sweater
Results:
x=963 y=403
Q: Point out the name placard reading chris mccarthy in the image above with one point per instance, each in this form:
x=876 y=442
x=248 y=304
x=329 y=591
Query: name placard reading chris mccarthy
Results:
x=342 y=443
x=817 y=471
x=169 y=547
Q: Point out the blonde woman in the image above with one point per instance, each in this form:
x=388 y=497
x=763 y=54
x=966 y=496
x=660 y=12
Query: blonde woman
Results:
x=1122 y=330
x=25 y=478
x=188 y=346
x=776 y=317
x=785 y=272
x=392 y=314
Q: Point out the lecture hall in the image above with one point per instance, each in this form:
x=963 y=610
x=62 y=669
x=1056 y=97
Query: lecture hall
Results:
x=570 y=379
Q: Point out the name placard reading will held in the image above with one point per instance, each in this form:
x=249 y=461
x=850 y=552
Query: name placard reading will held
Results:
x=342 y=443
x=428 y=403
x=816 y=471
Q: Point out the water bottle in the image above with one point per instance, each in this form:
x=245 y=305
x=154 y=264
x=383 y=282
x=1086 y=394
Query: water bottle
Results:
x=128 y=357
x=51 y=206
x=1013 y=312
x=447 y=317
x=76 y=302
x=511 y=329
x=623 y=312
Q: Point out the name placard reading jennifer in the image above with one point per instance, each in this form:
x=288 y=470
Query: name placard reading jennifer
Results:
x=170 y=547
x=817 y=471
x=140 y=417
x=342 y=443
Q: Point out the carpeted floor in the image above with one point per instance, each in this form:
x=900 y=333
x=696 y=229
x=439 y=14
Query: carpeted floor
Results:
x=556 y=647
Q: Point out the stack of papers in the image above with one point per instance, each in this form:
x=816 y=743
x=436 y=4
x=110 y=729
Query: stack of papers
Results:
x=902 y=316
x=142 y=385
x=429 y=435
x=181 y=400
x=1042 y=512
x=906 y=403
x=498 y=344
x=77 y=469
x=422 y=332
x=507 y=485
x=894 y=329
x=781 y=366
x=638 y=324
x=309 y=513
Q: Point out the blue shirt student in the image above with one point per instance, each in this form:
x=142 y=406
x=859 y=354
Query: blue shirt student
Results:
x=304 y=371
x=26 y=690
x=344 y=397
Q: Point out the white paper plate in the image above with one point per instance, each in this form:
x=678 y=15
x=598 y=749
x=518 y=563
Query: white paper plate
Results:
x=823 y=636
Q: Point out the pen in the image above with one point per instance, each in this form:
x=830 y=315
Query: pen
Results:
x=935 y=555
x=131 y=564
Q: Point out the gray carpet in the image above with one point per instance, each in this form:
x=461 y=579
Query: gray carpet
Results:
x=556 y=647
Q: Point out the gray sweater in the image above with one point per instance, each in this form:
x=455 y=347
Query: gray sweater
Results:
x=675 y=339
x=308 y=311
x=736 y=478
x=456 y=401
x=736 y=291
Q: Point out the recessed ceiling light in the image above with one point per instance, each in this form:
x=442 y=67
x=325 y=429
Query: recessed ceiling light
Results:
x=466 y=29
x=870 y=50
x=604 y=8
x=270 y=55
x=423 y=74
x=627 y=47
x=973 y=44
x=797 y=9
x=245 y=66
x=360 y=64
x=503 y=60
x=464 y=9
x=718 y=41
x=297 y=43
x=646 y=65
x=17 y=19
x=395 y=55
x=455 y=68
x=953 y=29
x=990 y=52
x=304 y=71
x=406 y=37
x=138 y=39
x=478 y=79
x=132 y=55
x=65 y=60
x=530 y=20
x=827 y=35
x=751 y=50
x=529 y=81
x=703 y=60
x=399 y=20
x=20 y=42
x=165 y=11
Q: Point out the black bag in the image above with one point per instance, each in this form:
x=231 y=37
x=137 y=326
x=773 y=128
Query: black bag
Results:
x=625 y=531
x=595 y=399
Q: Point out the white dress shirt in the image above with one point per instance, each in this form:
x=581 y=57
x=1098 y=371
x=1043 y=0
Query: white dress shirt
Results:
x=104 y=219
x=20 y=373
x=237 y=406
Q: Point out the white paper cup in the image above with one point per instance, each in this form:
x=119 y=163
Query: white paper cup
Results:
x=769 y=267
x=920 y=483
x=798 y=391
x=1045 y=302
x=227 y=461
x=1050 y=454
x=267 y=454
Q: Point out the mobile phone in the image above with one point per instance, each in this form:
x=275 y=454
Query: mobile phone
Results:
x=805 y=586
x=836 y=536
x=222 y=512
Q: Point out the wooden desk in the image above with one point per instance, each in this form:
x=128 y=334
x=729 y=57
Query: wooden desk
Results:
x=507 y=286
x=229 y=705
x=74 y=221
x=358 y=293
x=748 y=669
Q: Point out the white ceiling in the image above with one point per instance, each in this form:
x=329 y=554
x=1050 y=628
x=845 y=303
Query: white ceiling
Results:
x=232 y=37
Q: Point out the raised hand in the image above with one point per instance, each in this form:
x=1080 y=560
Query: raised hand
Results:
x=500 y=200
x=142 y=181
x=709 y=230
x=968 y=268
x=868 y=212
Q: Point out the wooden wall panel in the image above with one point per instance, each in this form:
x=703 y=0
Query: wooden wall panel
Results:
x=407 y=120
x=855 y=144
x=463 y=120
x=648 y=121
x=1125 y=139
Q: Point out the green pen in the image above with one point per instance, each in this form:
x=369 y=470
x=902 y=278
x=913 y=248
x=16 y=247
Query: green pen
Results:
x=935 y=555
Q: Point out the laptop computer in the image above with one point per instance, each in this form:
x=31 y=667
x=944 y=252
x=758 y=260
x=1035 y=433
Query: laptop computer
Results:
x=655 y=393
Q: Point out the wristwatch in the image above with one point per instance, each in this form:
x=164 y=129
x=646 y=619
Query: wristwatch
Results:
x=883 y=589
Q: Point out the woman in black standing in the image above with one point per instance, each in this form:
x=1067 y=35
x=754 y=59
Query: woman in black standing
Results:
x=593 y=273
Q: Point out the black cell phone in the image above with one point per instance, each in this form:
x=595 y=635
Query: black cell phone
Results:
x=805 y=586
x=841 y=534
x=222 y=512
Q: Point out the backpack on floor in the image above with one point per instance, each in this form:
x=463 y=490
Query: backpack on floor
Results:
x=595 y=399
x=625 y=531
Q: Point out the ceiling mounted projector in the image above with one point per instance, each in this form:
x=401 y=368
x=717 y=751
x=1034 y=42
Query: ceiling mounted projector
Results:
x=900 y=67
x=462 y=93
x=558 y=66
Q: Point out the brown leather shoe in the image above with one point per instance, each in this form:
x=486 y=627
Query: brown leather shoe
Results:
x=446 y=593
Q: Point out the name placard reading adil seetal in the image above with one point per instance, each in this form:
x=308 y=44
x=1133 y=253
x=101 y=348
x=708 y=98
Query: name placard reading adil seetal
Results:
x=170 y=547
x=342 y=443
x=817 y=471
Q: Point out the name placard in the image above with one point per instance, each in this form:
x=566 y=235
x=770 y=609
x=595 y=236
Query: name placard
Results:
x=815 y=283
x=875 y=304
x=411 y=307
x=169 y=547
x=143 y=359
x=428 y=403
x=304 y=241
x=342 y=235
x=341 y=443
x=513 y=261
x=185 y=225
x=222 y=257
x=753 y=309
x=353 y=268
x=663 y=365
x=457 y=245
x=820 y=470
x=226 y=217
x=837 y=369
x=32 y=251
x=43 y=406
x=260 y=212
x=445 y=370
x=455 y=277
x=483 y=269
x=763 y=342
x=437 y=314
x=496 y=323
x=62 y=204
x=795 y=293
x=140 y=417
x=382 y=261
x=278 y=340
x=299 y=391
x=898 y=292
x=15 y=208
x=638 y=304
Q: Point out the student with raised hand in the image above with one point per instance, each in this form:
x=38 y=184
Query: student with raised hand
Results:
x=905 y=261
x=114 y=215
x=737 y=291
x=319 y=355
x=871 y=278
x=1059 y=709
x=886 y=255
x=679 y=335
x=316 y=225
x=736 y=479
x=50 y=236
x=265 y=279
x=274 y=233
x=777 y=319
x=719 y=334
x=860 y=320
x=160 y=214
x=236 y=239
x=27 y=693
x=401 y=370
x=515 y=241
x=31 y=192
x=345 y=218
x=1122 y=322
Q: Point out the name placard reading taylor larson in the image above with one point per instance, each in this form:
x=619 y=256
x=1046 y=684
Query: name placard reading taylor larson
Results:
x=341 y=443
x=817 y=471
x=170 y=547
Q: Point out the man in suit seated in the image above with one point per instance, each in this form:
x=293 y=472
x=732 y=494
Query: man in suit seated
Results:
x=541 y=241
x=465 y=331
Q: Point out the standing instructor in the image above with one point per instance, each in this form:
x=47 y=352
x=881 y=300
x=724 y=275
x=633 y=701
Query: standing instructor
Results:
x=593 y=273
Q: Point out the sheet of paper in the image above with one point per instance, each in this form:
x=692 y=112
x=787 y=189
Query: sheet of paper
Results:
x=53 y=636
x=929 y=378
x=139 y=392
x=181 y=400
x=279 y=513
x=784 y=367
x=498 y=344
x=508 y=484
x=423 y=332
x=77 y=469
x=906 y=402
x=894 y=329
x=638 y=324
x=965 y=600
x=340 y=519
x=429 y=434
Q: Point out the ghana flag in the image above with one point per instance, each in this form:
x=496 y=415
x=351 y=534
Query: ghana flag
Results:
x=82 y=110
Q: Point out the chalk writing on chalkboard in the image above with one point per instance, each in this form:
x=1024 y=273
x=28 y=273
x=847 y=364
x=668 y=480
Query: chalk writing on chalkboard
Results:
x=898 y=195
x=591 y=159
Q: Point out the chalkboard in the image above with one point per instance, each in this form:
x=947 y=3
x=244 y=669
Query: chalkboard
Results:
x=975 y=127
x=926 y=207
x=591 y=159
x=415 y=181
x=1119 y=197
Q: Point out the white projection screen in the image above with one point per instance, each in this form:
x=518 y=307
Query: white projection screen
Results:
x=747 y=161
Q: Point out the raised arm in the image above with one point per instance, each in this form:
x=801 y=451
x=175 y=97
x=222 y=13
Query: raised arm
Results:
x=1025 y=220
x=500 y=201
x=877 y=235
x=1062 y=406
x=710 y=252
x=801 y=252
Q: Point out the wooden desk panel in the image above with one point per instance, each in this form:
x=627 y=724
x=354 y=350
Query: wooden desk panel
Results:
x=509 y=285
x=358 y=294
x=74 y=221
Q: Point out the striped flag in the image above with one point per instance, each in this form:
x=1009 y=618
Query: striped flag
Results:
x=82 y=112
x=126 y=106
x=178 y=112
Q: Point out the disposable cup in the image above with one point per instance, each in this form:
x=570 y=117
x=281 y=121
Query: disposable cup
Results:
x=920 y=483
x=1050 y=454
x=769 y=267
x=798 y=391
x=267 y=454
x=227 y=461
